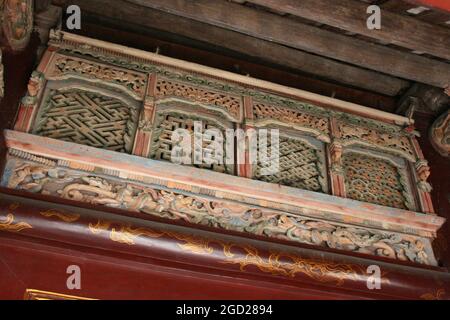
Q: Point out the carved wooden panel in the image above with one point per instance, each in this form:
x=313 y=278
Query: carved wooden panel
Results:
x=65 y=66
x=374 y=180
x=377 y=139
x=162 y=145
x=87 y=118
x=300 y=165
x=231 y=104
x=271 y=113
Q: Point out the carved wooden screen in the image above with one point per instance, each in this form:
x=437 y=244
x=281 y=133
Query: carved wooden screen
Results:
x=302 y=160
x=162 y=143
x=93 y=118
x=376 y=179
x=301 y=164
x=179 y=103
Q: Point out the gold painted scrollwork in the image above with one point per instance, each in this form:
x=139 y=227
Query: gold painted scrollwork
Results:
x=64 y=216
x=278 y=263
x=9 y=224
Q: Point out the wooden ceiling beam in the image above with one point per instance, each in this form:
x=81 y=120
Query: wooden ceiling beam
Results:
x=262 y=50
x=350 y=15
x=178 y=47
x=304 y=37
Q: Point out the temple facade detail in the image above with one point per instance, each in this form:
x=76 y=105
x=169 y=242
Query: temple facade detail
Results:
x=96 y=127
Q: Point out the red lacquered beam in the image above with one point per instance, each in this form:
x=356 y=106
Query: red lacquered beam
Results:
x=222 y=254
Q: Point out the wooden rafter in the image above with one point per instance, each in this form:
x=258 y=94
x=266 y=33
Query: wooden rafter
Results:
x=351 y=16
x=262 y=50
x=304 y=37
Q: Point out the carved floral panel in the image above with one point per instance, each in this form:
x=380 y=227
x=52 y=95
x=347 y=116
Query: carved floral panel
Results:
x=391 y=142
x=231 y=104
x=285 y=116
x=65 y=66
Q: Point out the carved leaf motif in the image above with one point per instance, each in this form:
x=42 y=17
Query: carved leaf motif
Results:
x=290 y=116
x=135 y=82
x=231 y=104
x=394 y=143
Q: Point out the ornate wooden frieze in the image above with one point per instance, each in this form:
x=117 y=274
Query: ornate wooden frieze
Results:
x=231 y=104
x=440 y=134
x=242 y=257
x=266 y=114
x=396 y=143
x=65 y=66
x=93 y=189
x=16 y=23
x=172 y=192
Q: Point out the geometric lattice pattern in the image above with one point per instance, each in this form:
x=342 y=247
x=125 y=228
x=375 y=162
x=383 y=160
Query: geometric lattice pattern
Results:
x=299 y=166
x=162 y=144
x=87 y=118
x=373 y=180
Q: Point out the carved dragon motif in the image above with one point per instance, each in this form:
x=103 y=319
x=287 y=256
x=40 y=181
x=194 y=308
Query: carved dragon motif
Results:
x=220 y=214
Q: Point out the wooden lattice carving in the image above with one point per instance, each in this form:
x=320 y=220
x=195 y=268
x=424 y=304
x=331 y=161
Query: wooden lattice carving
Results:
x=162 y=144
x=374 y=180
x=87 y=118
x=300 y=166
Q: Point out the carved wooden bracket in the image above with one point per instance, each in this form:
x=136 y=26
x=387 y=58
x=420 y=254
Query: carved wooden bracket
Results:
x=440 y=134
x=16 y=23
